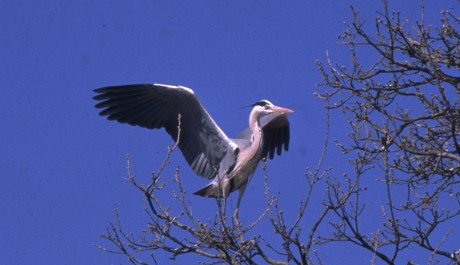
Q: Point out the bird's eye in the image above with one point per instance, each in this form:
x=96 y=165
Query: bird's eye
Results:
x=266 y=107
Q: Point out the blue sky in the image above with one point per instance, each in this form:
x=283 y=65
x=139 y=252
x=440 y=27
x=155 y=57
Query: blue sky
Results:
x=63 y=166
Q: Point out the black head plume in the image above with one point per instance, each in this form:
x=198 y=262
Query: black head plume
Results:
x=261 y=103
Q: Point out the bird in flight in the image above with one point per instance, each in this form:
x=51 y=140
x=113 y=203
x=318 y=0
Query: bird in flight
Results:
x=207 y=149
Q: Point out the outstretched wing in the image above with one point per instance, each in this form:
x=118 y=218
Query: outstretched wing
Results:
x=178 y=110
x=276 y=134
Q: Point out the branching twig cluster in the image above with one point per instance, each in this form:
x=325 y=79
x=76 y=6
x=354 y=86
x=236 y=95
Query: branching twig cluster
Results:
x=400 y=98
x=219 y=240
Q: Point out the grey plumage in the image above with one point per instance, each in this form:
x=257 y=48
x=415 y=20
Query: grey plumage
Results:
x=206 y=148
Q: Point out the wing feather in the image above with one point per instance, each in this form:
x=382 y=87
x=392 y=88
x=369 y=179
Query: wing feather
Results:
x=203 y=144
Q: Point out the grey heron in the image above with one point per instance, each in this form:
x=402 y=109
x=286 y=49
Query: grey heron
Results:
x=206 y=148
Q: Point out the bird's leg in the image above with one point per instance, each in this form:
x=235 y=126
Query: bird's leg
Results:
x=221 y=206
x=225 y=206
x=235 y=217
x=240 y=195
x=224 y=191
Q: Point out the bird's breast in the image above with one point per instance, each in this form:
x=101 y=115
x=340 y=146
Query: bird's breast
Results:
x=245 y=166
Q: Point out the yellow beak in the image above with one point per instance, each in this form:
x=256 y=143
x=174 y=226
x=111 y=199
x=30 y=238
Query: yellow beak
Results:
x=281 y=109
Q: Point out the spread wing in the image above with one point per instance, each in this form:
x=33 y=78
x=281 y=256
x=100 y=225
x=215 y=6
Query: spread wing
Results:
x=178 y=110
x=276 y=134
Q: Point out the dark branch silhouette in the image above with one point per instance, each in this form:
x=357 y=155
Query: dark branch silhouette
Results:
x=399 y=99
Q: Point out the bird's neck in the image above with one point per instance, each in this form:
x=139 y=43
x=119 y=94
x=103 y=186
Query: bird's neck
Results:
x=254 y=124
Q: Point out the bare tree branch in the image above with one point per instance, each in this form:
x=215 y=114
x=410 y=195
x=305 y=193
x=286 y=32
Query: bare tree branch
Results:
x=400 y=99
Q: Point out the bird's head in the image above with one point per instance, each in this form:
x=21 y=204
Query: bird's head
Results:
x=266 y=107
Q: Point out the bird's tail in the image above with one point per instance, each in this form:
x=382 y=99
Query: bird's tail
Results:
x=211 y=190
